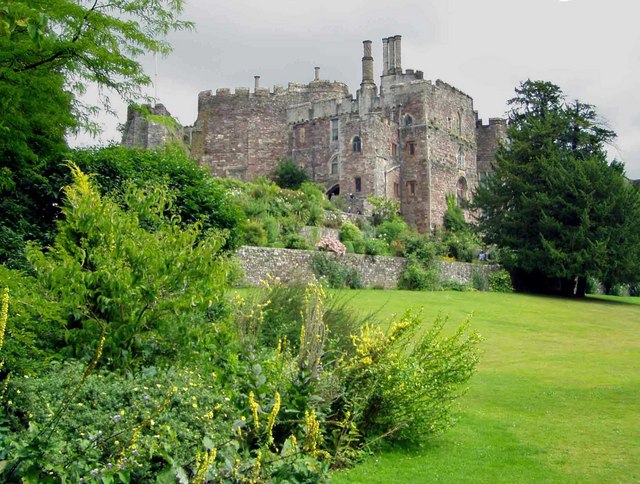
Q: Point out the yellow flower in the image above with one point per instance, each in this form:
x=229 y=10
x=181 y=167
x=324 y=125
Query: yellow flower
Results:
x=254 y=409
x=4 y=314
x=272 y=416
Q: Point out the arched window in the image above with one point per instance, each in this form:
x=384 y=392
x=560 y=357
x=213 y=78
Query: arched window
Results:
x=408 y=120
x=334 y=165
x=460 y=158
x=357 y=144
x=460 y=124
x=461 y=190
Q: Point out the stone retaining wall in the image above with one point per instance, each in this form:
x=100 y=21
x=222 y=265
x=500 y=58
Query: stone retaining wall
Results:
x=258 y=263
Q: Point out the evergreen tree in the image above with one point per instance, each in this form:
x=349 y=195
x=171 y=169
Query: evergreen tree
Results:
x=289 y=175
x=556 y=206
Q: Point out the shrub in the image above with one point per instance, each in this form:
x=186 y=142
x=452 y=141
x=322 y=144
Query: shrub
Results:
x=137 y=276
x=197 y=195
x=462 y=246
x=593 y=286
x=416 y=278
x=106 y=423
x=316 y=215
x=271 y=227
x=254 y=233
x=397 y=248
x=383 y=209
x=359 y=246
x=336 y=275
x=500 y=281
x=618 y=290
x=375 y=247
x=479 y=280
x=386 y=381
x=349 y=232
x=392 y=230
x=289 y=175
x=295 y=241
x=454 y=217
x=329 y=244
x=455 y=286
x=420 y=247
x=283 y=310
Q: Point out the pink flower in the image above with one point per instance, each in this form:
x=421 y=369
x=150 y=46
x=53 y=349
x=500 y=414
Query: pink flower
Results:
x=331 y=244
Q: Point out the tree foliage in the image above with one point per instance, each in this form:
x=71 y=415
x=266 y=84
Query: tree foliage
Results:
x=289 y=175
x=86 y=41
x=135 y=276
x=554 y=202
x=197 y=196
x=49 y=52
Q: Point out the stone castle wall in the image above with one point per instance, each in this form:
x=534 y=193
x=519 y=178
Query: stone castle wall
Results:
x=489 y=136
x=419 y=141
x=245 y=134
x=142 y=133
x=288 y=265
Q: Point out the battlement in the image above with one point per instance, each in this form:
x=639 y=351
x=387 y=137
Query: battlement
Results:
x=331 y=88
x=492 y=122
x=325 y=108
x=449 y=87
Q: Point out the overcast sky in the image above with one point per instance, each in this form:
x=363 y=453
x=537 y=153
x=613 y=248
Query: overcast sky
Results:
x=590 y=48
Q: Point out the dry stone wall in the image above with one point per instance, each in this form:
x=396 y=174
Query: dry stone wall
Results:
x=288 y=265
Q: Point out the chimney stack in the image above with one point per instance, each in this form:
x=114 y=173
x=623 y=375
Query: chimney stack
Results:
x=385 y=57
x=317 y=75
x=257 y=82
x=392 y=55
x=367 y=64
x=398 y=54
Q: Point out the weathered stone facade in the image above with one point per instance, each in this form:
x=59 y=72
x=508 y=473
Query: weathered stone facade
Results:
x=411 y=140
x=288 y=265
x=488 y=138
x=141 y=132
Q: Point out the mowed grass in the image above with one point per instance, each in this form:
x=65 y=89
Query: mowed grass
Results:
x=556 y=397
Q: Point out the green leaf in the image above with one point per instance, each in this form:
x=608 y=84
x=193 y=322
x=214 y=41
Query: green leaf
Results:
x=182 y=476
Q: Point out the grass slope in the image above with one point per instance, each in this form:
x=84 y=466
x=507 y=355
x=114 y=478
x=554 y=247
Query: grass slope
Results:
x=556 y=397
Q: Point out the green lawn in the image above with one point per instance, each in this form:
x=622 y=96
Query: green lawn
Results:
x=556 y=397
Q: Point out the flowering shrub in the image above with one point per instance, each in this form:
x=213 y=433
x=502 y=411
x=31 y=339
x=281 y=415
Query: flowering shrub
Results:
x=190 y=392
x=401 y=384
x=330 y=244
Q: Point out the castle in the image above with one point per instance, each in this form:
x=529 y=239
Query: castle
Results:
x=410 y=140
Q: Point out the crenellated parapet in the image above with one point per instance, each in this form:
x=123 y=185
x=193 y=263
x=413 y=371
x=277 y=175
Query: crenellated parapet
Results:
x=409 y=139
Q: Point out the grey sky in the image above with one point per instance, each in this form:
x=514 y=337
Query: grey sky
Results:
x=590 y=48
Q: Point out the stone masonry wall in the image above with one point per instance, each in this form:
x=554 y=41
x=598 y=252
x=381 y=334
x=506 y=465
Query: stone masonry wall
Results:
x=288 y=265
x=489 y=138
x=142 y=133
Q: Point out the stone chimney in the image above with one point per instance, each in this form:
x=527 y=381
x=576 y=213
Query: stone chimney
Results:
x=257 y=83
x=398 y=54
x=317 y=74
x=367 y=64
x=385 y=57
x=392 y=55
